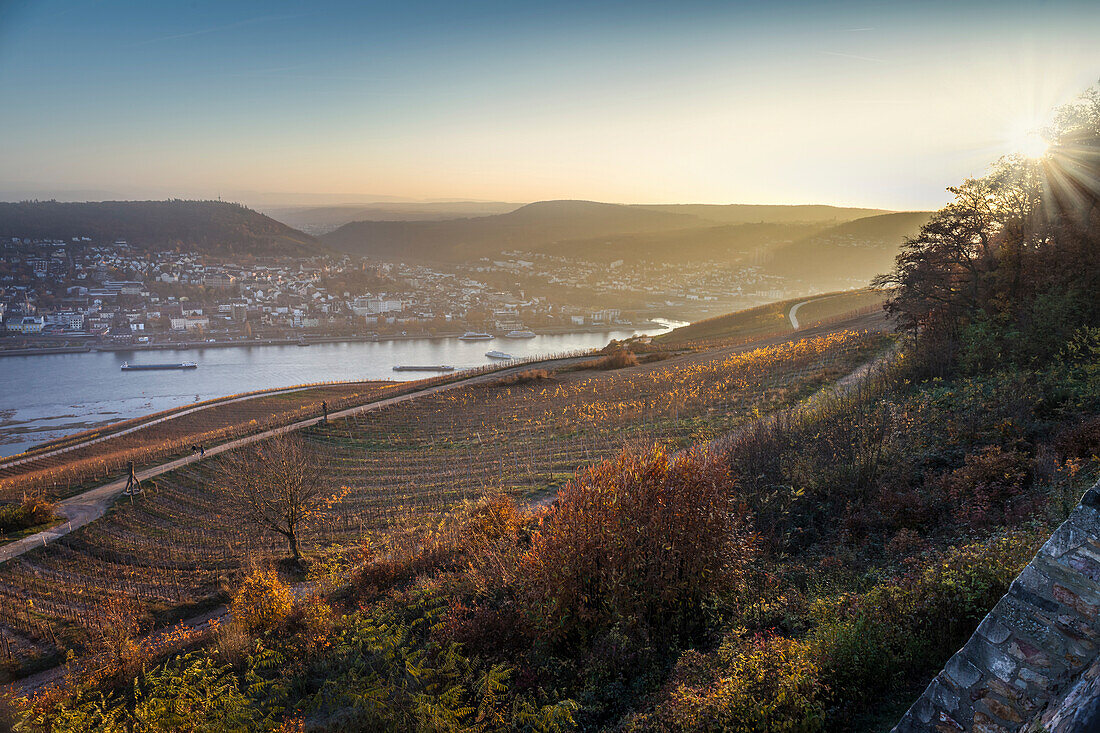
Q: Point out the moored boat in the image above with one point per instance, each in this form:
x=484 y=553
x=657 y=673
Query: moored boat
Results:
x=494 y=354
x=522 y=333
x=475 y=336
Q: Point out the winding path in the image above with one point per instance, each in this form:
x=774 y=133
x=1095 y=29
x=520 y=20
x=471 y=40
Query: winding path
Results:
x=792 y=314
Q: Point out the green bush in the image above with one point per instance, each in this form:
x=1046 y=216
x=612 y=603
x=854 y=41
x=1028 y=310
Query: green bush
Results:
x=763 y=684
x=31 y=513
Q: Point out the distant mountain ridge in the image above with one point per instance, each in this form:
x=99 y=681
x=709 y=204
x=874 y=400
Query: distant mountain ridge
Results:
x=213 y=227
x=324 y=219
x=542 y=223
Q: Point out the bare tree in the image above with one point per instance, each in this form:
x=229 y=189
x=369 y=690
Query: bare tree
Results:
x=280 y=485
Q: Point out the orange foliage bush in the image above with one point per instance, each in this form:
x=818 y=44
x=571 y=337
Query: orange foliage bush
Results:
x=525 y=377
x=638 y=540
x=614 y=360
x=262 y=602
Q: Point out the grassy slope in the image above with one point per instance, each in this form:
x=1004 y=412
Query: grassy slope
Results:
x=770 y=319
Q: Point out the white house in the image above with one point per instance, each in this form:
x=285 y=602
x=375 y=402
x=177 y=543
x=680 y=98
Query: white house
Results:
x=190 y=323
x=27 y=324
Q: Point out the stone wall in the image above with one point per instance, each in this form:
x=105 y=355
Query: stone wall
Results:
x=1036 y=650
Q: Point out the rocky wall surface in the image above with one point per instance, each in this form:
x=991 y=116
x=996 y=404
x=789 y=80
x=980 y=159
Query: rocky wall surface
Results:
x=1035 y=650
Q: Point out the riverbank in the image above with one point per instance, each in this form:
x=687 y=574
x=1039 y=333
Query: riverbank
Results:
x=299 y=340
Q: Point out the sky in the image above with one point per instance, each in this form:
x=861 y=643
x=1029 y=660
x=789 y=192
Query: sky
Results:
x=879 y=104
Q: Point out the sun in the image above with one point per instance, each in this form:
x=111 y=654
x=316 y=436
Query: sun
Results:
x=1027 y=141
x=1032 y=145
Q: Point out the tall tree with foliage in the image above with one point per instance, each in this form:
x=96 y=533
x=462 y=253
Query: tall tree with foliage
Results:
x=1009 y=269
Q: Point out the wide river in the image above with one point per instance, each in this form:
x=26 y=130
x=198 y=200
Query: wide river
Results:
x=49 y=396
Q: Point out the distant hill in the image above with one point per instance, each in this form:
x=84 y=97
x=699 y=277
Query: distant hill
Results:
x=769 y=213
x=214 y=227
x=853 y=251
x=525 y=228
x=323 y=219
x=574 y=227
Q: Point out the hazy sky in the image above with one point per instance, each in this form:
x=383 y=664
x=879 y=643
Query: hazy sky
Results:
x=869 y=103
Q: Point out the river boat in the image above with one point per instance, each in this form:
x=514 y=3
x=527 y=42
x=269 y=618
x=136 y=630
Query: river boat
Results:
x=522 y=333
x=475 y=336
x=494 y=354
x=128 y=367
x=424 y=368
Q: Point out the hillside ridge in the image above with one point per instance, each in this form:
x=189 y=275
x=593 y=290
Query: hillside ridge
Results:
x=212 y=227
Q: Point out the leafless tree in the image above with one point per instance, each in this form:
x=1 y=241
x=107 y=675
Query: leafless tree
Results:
x=280 y=485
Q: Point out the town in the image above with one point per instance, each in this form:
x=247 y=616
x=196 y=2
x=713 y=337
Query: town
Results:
x=64 y=295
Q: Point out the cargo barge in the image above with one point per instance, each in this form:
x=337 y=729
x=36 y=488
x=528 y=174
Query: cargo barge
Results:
x=425 y=368
x=128 y=367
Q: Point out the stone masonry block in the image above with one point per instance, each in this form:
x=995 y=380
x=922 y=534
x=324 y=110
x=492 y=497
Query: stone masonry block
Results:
x=993 y=630
x=993 y=659
x=1065 y=538
x=962 y=673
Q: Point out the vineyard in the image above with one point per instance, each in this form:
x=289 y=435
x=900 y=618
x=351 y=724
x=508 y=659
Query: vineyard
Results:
x=181 y=543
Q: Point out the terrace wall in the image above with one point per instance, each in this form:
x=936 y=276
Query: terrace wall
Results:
x=1032 y=663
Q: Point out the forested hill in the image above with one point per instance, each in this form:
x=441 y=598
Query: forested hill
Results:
x=536 y=225
x=854 y=250
x=213 y=227
x=526 y=227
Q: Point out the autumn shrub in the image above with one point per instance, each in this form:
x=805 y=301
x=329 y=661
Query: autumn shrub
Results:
x=31 y=513
x=492 y=537
x=615 y=360
x=482 y=539
x=312 y=622
x=1080 y=440
x=984 y=488
x=262 y=602
x=639 y=539
x=527 y=376
x=387 y=571
x=119 y=623
x=760 y=684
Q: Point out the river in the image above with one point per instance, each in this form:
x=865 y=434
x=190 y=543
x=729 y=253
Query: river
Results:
x=49 y=396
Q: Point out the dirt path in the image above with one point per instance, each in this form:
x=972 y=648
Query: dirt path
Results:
x=89 y=506
x=793 y=313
